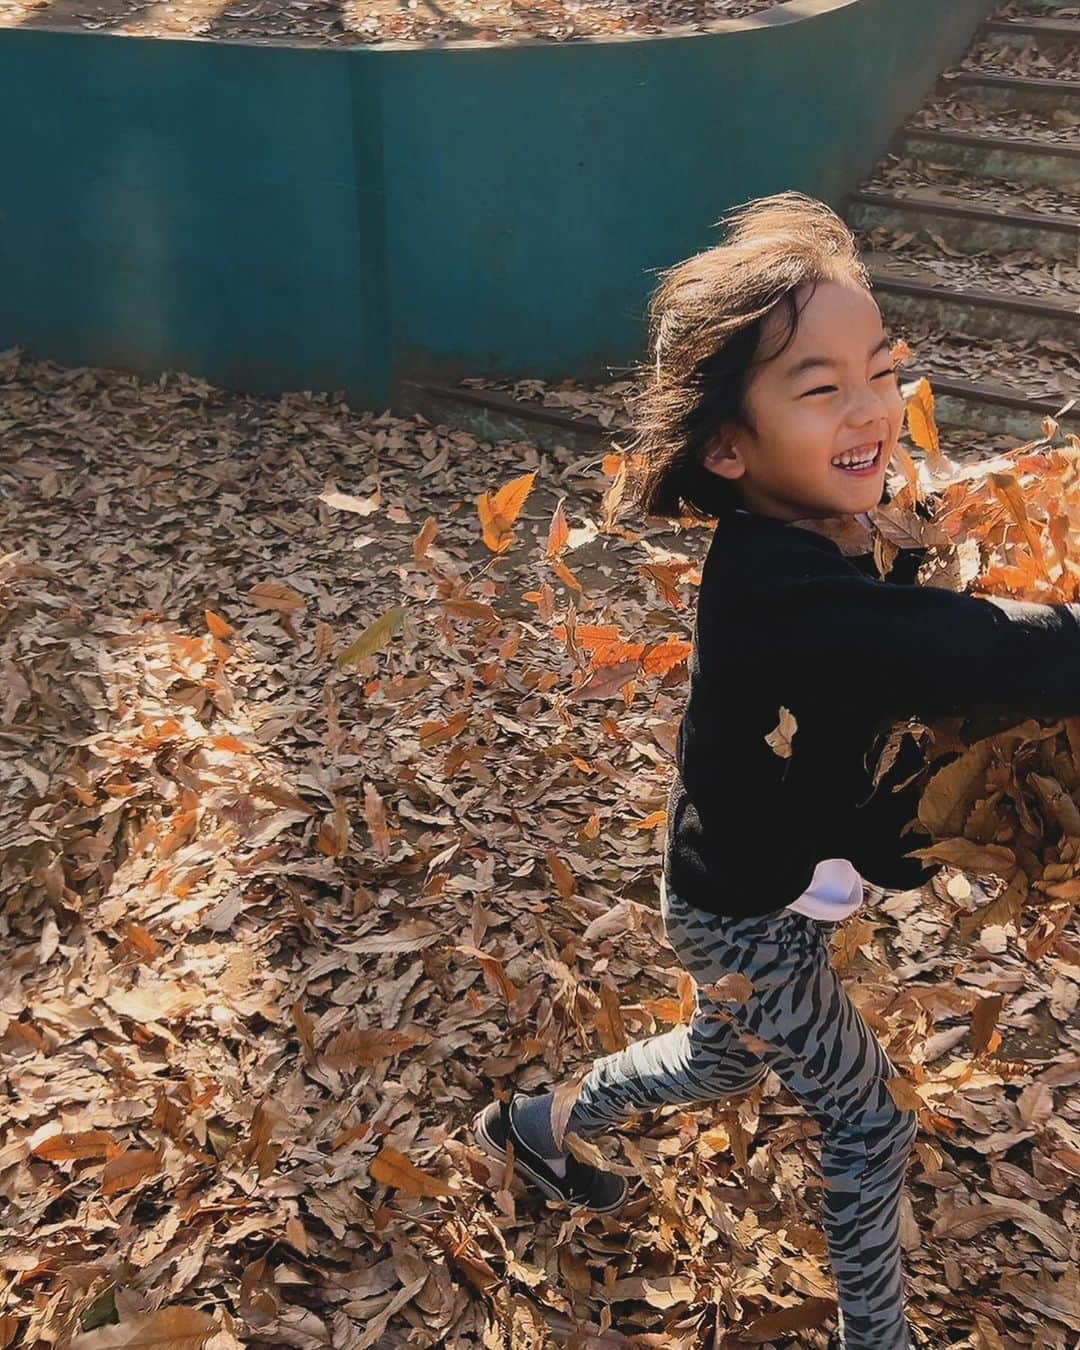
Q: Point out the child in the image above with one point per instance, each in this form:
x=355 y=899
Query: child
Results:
x=771 y=399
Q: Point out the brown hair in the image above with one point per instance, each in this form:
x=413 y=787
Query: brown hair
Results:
x=705 y=321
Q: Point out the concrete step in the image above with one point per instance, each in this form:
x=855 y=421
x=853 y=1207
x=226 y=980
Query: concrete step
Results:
x=909 y=294
x=491 y=415
x=950 y=108
x=1005 y=92
x=1051 y=37
x=1021 y=370
x=908 y=177
x=962 y=403
x=1024 y=274
x=968 y=227
x=994 y=156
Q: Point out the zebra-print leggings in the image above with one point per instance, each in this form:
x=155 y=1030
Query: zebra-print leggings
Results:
x=805 y=1028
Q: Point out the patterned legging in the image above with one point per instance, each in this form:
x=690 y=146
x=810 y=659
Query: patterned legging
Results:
x=807 y=1030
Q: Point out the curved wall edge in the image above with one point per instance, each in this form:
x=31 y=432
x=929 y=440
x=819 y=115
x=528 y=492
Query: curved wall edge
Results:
x=275 y=217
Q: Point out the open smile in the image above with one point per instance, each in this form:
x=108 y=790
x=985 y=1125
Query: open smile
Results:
x=860 y=470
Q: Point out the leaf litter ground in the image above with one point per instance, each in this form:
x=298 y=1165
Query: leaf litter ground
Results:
x=325 y=821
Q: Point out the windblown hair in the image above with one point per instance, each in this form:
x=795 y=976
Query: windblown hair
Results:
x=705 y=323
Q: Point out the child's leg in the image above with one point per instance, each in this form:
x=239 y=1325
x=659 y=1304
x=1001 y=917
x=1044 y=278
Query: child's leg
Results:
x=702 y=1062
x=805 y=1027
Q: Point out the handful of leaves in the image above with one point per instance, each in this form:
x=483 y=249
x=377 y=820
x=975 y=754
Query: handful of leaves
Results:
x=1006 y=803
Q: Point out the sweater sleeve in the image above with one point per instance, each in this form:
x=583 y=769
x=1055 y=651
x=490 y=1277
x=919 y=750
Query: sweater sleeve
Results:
x=909 y=650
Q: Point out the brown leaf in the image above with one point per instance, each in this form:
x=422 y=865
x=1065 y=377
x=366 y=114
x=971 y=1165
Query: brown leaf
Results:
x=392 y=1168
x=129 y=1169
x=174 y=1328
x=780 y=738
x=78 y=1145
x=275 y=595
x=804 y=1316
x=983 y=1020
x=904 y=1094
x=965 y=1221
x=369 y=1046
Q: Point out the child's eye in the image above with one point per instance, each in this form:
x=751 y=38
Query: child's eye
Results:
x=828 y=388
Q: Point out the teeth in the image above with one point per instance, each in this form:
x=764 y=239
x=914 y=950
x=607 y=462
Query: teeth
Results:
x=847 y=460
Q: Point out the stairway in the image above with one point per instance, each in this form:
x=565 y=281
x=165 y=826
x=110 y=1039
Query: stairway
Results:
x=970 y=227
x=970 y=230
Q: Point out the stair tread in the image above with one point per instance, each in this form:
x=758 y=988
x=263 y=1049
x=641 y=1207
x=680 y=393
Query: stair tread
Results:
x=1027 y=9
x=1022 y=56
x=1022 y=274
x=981 y=74
x=926 y=181
x=1002 y=367
x=1040 y=23
x=886 y=267
x=925 y=199
x=952 y=112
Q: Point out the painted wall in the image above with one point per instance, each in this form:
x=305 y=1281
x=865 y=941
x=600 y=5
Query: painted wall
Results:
x=275 y=217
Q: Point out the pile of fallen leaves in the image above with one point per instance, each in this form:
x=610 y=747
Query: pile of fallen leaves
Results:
x=1005 y=805
x=354 y=22
x=336 y=748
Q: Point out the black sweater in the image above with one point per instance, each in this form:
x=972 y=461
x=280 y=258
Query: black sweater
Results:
x=785 y=619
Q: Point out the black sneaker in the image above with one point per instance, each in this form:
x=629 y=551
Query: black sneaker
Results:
x=583 y=1186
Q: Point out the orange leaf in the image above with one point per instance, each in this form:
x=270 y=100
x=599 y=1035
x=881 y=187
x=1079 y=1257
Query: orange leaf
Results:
x=216 y=625
x=424 y=539
x=982 y=1022
x=1008 y=489
x=499 y=511
x=565 y=575
x=228 y=742
x=665 y=656
x=141 y=942
x=495 y=975
x=558 y=533
x=920 y=416
x=471 y=609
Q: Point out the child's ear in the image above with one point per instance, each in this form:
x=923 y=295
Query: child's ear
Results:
x=721 y=455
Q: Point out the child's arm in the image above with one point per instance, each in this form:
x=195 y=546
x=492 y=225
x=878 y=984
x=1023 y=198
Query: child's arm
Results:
x=911 y=650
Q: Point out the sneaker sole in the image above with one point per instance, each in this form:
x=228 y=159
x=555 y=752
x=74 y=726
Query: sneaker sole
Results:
x=496 y=1151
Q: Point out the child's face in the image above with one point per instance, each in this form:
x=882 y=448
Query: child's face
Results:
x=805 y=420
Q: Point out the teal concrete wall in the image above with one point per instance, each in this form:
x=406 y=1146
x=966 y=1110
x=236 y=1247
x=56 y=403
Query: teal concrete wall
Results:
x=276 y=218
